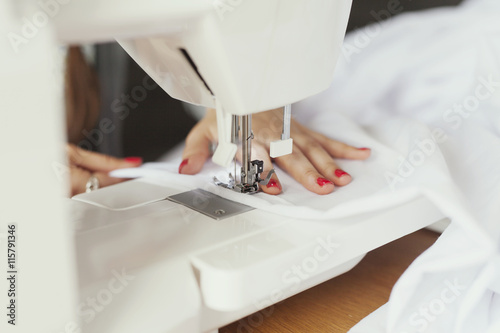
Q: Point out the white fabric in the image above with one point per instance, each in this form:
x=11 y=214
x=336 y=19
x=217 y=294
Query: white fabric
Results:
x=424 y=94
x=419 y=67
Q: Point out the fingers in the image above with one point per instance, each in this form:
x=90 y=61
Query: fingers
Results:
x=84 y=164
x=79 y=178
x=300 y=168
x=341 y=150
x=99 y=162
x=322 y=161
x=197 y=150
x=335 y=148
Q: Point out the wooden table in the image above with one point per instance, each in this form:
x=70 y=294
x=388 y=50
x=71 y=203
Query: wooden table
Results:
x=338 y=304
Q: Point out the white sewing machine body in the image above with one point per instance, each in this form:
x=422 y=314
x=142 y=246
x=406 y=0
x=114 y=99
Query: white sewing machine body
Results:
x=259 y=56
x=192 y=273
x=253 y=56
x=240 y=57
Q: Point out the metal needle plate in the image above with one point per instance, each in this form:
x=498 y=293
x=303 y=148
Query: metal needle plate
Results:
x=209 y=204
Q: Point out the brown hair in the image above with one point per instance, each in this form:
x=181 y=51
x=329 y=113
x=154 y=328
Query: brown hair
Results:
x=81 y=95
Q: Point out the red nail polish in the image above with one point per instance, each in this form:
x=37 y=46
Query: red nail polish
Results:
x=364 y=149
x=183 y=163
x=134 y=160
x=339 y=173
x=273 y=183
x=323 y=181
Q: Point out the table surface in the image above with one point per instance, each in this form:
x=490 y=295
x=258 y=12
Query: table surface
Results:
x=338 y=304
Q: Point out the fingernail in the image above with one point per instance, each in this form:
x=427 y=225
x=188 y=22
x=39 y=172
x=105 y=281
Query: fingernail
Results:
x=364 y=149
x=339 y=173
x=183 y=163
x=273 y=183
x=323 y=181
x=134 y=160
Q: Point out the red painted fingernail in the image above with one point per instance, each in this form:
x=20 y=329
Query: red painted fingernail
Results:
x=339 y=173
x=134 y=160
x=323 y=181
x=364 y=149
x=273 y=183
x=183 y=163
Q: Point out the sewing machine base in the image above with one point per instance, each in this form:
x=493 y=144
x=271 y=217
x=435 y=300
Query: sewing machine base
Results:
x=192 y=273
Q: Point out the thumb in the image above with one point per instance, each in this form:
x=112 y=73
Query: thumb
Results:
x=197 y=150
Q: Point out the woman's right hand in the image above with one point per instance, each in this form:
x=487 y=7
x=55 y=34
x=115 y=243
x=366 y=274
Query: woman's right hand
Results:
x=83 y=164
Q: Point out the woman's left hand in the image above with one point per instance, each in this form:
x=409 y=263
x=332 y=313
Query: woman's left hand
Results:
x=311 y=163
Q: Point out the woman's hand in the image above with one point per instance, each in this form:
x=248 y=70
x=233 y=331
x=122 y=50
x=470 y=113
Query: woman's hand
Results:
x=84 y=164
x=311 y=162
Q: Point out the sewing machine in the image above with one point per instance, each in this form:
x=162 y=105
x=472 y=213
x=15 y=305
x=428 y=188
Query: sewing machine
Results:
x=246 y=58
x=156 y=265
